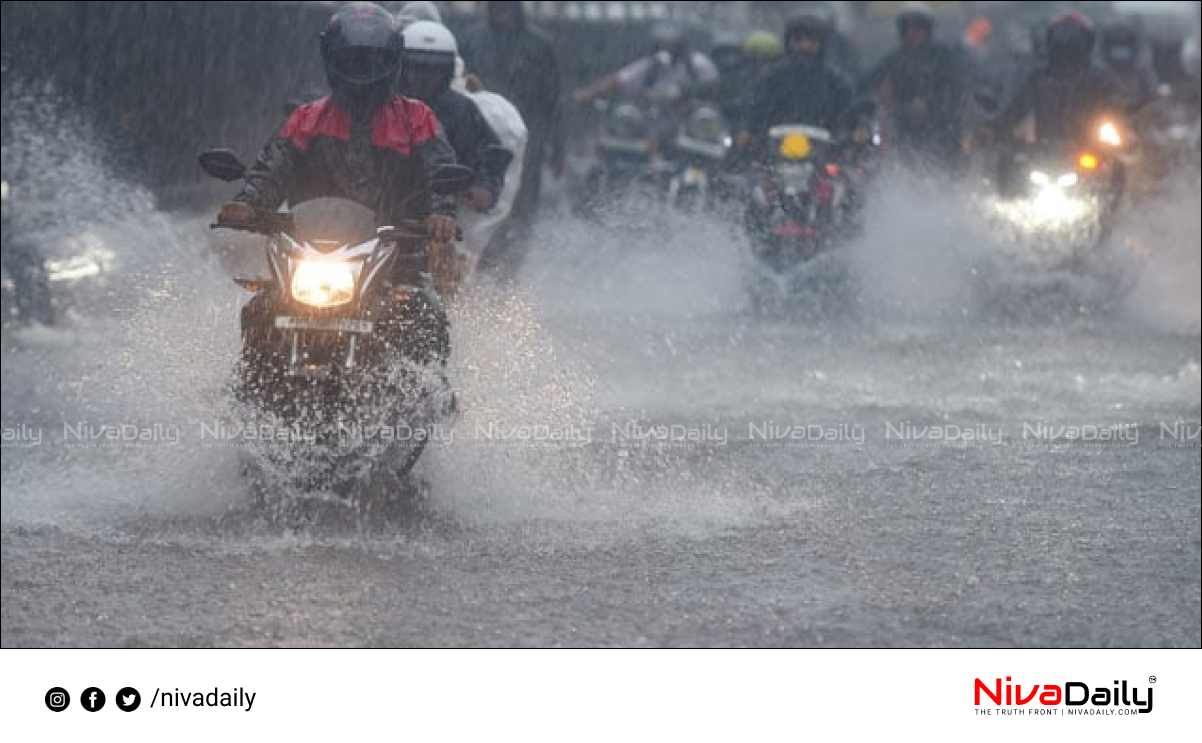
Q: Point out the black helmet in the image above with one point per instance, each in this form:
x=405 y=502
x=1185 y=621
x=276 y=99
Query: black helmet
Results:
x=1070 y=40
x=915 y=14
x=361 y=48
x=727 y=51
x=813 y=23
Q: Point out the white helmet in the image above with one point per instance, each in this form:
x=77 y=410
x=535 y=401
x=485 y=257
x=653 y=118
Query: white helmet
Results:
x=418 y=11
x=427 y=42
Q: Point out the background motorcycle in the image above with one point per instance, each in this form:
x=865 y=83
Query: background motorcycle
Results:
x=625 y=158
x=798 y=211
x=698 y=159
x=1054 y=214
x=39 y=288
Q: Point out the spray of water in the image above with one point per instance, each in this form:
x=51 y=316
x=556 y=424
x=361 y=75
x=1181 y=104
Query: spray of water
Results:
x=552 y=374
x=915 y=258
x=612 y=323
x=1167 y=230
x=142 y=355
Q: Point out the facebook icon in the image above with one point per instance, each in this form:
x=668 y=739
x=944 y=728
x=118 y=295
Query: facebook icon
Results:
x=92 y=699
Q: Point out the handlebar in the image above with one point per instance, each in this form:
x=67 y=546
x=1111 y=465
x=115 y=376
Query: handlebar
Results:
x=263 y=224
x=277 y=222
x=414 y=229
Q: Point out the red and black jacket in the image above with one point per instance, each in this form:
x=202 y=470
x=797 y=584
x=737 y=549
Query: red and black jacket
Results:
x=384 y=164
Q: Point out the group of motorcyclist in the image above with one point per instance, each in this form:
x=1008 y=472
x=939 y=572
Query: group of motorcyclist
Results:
x=395 y=114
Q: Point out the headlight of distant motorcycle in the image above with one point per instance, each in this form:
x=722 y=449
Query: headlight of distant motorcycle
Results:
x=1053 y=206
x=1108 y=134
x=1067 y=180
x=324 y=283
x=1053 y=203
x=1064 y=180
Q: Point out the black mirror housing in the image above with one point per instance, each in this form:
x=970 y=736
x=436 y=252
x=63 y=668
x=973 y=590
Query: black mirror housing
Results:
x=222 y=164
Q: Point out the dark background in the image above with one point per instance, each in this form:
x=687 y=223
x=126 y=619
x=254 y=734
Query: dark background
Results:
x=160 y=81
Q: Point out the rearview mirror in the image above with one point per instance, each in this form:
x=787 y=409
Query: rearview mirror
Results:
x=222 y=164
x=451 y=179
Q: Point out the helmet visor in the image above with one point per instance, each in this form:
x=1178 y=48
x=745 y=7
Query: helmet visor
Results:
x=363 y=65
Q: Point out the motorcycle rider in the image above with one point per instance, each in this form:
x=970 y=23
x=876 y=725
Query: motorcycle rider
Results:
x=513 y=59
x=427 y=69
x=429 y=73
x=1068 y=93
x=674 y=74
x=734 y=74
x=1063 y=100
x=761 y=50
x=803 y=88
x=920 y=88
x=369 y=145
x=362 y=143
x=1122 y=52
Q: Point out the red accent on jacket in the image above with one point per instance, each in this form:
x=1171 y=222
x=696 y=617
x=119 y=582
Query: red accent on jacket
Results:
x=398 y=125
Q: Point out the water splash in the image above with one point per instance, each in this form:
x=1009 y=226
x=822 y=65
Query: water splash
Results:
x=119 y=389
x=1168 y=230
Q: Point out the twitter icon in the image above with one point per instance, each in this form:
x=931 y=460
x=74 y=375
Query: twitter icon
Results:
x=128 y=699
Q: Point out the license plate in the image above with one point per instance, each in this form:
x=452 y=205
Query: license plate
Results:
x=327 y=324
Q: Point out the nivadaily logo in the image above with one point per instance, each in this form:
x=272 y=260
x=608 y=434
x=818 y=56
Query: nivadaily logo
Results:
x=1069 y=697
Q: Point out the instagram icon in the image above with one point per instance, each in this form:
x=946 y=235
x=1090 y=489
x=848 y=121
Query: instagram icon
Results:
x=57 y=699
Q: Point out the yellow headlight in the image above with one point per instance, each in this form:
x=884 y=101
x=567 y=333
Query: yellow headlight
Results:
x=795 y=147
x=323 y=283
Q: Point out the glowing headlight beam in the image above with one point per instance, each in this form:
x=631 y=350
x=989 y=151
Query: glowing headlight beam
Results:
x=1039 y=178
x=1050 y=208
x=323 y=283
x=1067 y=180
x=1108 y=134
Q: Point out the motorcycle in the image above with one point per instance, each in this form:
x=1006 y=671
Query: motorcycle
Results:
x=626 y=160
x=697 y=160
x=42 y=290
x=800 y=211
x=343 y=344
x=1055 y=210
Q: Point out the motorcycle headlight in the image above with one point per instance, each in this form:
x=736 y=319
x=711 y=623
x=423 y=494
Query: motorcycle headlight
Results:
x=795 y=146
x=1067 y=180
x=324 y=283
x=1108 y=134
x=1053 y=206
x=1039 y=178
